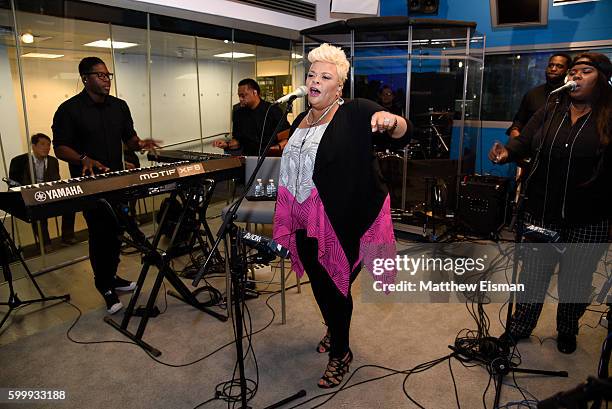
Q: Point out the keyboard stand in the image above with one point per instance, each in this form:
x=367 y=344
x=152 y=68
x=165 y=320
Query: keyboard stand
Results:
x=190 y=196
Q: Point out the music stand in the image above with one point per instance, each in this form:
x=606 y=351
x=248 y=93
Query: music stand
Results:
x=8 y=252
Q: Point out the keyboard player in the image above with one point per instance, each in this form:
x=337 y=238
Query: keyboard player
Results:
x=88 y=131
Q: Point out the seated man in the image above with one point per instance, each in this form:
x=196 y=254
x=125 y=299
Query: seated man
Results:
x=248 y=122
x=46 y=169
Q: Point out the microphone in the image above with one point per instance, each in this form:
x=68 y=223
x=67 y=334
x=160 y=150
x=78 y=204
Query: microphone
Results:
x=570 y=85
x=11 y=183
x=263 y=243
x=301 y=91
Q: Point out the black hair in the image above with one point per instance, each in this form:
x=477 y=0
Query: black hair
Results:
x=564 y=55
x=37 y=137
x=87 y=63
x=251 y=83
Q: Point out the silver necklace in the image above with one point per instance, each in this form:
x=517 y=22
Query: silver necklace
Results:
x=311 y=124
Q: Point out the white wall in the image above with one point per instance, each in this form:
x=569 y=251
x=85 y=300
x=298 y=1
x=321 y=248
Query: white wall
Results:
x=10 y=133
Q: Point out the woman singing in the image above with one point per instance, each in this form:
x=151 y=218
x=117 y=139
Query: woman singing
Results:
x=568 y=192
x=332 y=207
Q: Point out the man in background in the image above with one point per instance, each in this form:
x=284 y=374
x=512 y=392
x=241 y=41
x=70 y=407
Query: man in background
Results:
x=46 y=169
x=535 y=98
x=248 y=122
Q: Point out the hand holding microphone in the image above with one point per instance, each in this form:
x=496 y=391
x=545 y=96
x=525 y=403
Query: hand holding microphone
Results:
x=498 y=153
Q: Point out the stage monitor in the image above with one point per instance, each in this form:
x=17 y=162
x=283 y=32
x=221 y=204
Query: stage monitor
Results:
x=517 y=13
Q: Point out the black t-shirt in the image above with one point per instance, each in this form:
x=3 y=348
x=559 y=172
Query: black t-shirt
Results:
x=94 y=129
x=533 y=100
x=248 y=123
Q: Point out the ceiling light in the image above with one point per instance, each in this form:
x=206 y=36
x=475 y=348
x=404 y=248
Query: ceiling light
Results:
x=234 y=55
x=108 y=43
x=41 y=55
x=27 y=38
x=295 y=56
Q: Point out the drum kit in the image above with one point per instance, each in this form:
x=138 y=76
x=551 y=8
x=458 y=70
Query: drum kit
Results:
x=430 y=141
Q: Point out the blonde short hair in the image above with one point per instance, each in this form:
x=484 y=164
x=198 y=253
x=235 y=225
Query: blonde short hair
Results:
x=334 y=55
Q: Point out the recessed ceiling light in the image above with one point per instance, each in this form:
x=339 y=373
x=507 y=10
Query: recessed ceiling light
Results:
x=27 y=38
x=107 y=44
x=234 y=55
x=42 y=55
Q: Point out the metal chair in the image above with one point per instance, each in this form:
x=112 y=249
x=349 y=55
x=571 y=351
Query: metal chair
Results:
x=262 y=212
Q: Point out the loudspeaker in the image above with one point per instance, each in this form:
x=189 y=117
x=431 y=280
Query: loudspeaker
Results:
x=482 y=203
x=423 y=6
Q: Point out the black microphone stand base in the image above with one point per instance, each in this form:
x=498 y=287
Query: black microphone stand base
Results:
x=8 y=252
x=14 y=302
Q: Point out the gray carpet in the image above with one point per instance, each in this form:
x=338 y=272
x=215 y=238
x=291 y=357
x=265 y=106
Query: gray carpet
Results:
x=400 y=336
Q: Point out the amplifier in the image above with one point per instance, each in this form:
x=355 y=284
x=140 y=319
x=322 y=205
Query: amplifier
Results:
x=483 y=202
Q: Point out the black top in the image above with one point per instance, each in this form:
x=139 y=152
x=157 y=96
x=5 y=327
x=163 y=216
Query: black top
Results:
x=571 y=179
x=248 y=123
x=533 y=100
x=346 y=172
x=19 y=169
x=94 y=129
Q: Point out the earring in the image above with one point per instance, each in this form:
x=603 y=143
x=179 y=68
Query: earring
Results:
x=340 y=101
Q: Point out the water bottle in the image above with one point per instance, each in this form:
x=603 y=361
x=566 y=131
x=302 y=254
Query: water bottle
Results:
x=259 y=189
x=270 y=188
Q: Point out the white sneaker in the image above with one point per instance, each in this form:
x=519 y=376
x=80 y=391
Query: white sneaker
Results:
x=112 y=302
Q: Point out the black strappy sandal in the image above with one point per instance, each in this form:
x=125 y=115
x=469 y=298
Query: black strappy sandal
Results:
x=325 y=344
x=335 y=371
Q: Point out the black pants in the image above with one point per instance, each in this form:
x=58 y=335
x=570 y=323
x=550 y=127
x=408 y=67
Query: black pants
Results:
x=576 y=264
x=67 y=228
x=68 y=225
x=104 y=245
x=336 y=309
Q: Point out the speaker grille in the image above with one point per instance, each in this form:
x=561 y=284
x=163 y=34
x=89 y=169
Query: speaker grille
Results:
x=293 y=7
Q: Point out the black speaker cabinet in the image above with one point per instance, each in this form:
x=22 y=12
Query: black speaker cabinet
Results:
x=423 y=6
x=429 y=182
x=482 y=203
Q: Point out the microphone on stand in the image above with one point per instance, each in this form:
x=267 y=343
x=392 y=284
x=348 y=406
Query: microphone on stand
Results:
x=11 y=183
x=301 y=91
x=570 y=85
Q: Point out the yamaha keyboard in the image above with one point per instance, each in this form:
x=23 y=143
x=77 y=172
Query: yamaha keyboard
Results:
x=48 y=199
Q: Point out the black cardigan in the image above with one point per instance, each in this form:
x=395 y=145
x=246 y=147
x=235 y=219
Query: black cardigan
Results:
x=587 y=199
x=346 y=172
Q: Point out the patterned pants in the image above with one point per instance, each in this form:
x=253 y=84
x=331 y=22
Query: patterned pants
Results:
x=576 y=264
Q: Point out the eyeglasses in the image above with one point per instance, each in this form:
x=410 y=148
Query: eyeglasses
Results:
x=102 y=75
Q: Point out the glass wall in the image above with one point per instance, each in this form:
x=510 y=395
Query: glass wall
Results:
x=179 y=79
x=429 y=73
x=509 y=75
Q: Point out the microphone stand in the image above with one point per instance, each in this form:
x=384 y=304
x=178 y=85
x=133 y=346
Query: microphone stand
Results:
x=238 y=267
x=504 y=365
